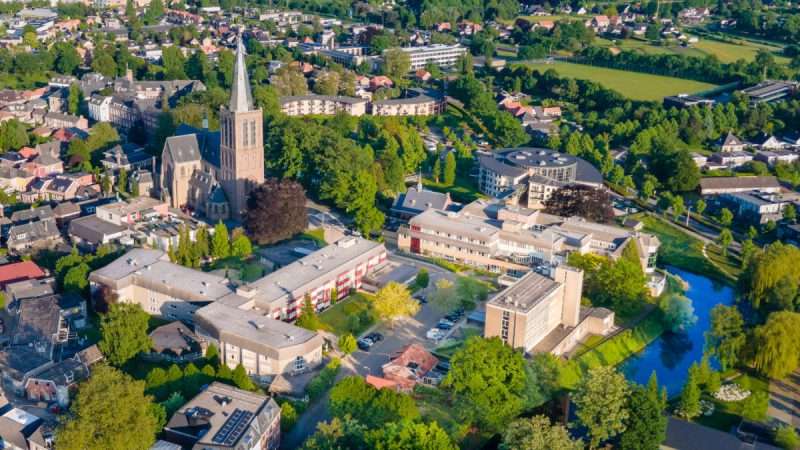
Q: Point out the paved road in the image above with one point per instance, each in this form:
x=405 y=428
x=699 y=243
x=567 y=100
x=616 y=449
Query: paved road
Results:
x=784 y=400
x=362 y=363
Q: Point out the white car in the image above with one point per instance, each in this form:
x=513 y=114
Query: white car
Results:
x=435 y=334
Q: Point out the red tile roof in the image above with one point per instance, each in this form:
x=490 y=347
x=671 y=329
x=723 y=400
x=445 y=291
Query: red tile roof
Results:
x=380 y=383
x=20 y=271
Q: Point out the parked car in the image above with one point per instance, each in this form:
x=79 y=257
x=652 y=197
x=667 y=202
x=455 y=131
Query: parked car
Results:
x=375 y=337
x=365 y=344
x=444 y=326
x=421 y=299
x=435 y=334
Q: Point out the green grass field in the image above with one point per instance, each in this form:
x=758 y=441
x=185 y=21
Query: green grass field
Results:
x=727 y=52
x=634 y=85
x=352 y=315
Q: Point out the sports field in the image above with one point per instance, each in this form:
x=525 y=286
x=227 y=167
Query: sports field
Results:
x=726 y=52
x=634 y=85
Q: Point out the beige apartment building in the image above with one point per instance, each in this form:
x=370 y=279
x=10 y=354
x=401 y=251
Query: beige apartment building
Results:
x=264 y=346
x=303 y=105
x=540 y=314
x=503 y=238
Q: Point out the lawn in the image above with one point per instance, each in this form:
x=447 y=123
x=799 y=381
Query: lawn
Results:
x=728 y=263
x=727 y=415
x=680 y=250
x=634 y=85
x=352 y=315
x=613 y=351
x=727 y=52
x=463 y=190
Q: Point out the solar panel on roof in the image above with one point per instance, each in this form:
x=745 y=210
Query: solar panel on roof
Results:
x=233 y=428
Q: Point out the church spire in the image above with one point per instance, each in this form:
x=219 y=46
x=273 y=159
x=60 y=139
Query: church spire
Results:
x=241 y=98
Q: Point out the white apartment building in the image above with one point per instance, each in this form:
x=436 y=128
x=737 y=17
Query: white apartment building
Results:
x=440 y=55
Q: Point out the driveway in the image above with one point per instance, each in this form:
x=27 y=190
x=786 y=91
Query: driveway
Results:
x=784 y=400
x=405 y=331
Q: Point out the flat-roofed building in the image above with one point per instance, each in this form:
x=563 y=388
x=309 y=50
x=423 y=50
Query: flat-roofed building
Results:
x=502 y=238
x=770 y=91
x=437 y=54
x=722 y=185
x=336 y=268
x=224 y=417
x=303 y=105
x=147 y=278
x=542 y=314
x=415 y=102
x=264 y=346
x=686 y=101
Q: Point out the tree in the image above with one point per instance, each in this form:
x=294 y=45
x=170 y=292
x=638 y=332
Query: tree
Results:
x=776 y=345
x=123 y=331
x=241 y=379
x=353 y=397
x=74 y=99
x=339 y=433
x=488 y=380
x=122 y=181
x=436 y=171
x=449 y=170
x=423 y=278
x=601 y=400
x=787 y=438
x=725 y=338
x=700 y=206
x=212 y=353
x=410 y=435
x=347 y=343
x=537 y=433
x=725 y=217
x=241 y=246
x=725 y=239
x=220 y=243
x=396 y=64
x=276 y=211
x=772 y=276
x=109 y=411
x=173 y=403
x=394 y=301
x=308 y=316
x=678 y=312
x=591 y=203
x=754 y=407
x=790 y=213
x=689 y=401
x=646 y=426
x=76 y=279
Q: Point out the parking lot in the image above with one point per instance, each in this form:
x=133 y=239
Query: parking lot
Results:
x=405 y=332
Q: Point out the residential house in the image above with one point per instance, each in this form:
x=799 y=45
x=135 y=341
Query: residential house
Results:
x=33 y=229
x=773 y=157
x=224 y=417
x=409 y=367
x=732 y=158
x=731 y=143
x=20 y=271
x=417 y=199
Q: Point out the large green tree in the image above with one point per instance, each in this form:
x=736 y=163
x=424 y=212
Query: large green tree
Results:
x=537 y=433
x=726 y=337
x=123 y=332
x=646 y=426
x=353 y=397
x=777 y=345
x=772 y=278
x=488 y=380
x=601 y=401
x=393 y=302
x=110 y=411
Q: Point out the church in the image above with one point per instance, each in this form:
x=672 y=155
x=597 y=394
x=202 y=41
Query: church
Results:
x=213 y=173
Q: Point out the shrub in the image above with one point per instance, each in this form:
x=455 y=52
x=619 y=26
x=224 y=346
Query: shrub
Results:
x=347 y=343
x=787 y=438
x=324 y=381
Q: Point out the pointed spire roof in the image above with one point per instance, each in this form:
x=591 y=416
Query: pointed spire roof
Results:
x=241 y=97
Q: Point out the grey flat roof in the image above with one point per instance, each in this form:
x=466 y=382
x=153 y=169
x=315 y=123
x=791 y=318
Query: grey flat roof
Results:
x=252 y=326
x=312 y=267
x=526 y=293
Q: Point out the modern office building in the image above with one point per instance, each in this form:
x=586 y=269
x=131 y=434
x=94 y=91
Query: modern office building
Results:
x=770 y=91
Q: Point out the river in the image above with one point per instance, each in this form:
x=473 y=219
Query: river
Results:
x=672 y=353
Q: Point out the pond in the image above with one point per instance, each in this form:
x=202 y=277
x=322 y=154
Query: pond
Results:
x=671 y=354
